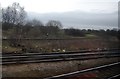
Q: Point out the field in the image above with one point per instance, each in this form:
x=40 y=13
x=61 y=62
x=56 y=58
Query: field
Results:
x=57 y=45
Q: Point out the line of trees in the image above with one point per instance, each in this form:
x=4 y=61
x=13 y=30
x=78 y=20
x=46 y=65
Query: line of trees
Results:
x=14 y=21
x=16 y=15
x=100 y=33
x=15 y=25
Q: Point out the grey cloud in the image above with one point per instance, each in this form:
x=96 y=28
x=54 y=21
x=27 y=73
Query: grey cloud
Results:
x=78 y=19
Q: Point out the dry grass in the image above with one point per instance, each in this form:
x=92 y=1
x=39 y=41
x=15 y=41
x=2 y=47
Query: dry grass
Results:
x=68 y=45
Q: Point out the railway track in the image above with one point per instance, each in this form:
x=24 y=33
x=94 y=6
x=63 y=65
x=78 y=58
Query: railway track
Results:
x=77 y=73
x=53 y=57
x=115 y=77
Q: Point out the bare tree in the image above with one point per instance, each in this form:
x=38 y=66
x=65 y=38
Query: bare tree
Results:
x=54 y=23
x=34 y=23
x=14 y=14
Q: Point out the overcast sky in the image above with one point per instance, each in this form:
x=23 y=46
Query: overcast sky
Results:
x=45 y=6
x=102 y=7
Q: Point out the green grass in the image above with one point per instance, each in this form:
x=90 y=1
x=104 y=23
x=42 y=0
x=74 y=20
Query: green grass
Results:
x=90 y=35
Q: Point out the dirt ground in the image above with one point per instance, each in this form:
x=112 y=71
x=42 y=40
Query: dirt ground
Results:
x=51 y=68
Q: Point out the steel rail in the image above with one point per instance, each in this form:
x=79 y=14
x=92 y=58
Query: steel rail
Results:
x=35 y=57
x=114 y=77
x=82 y=71
x=70 y=58
x=53 y=59
x=48 y=38
x=56 y=55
